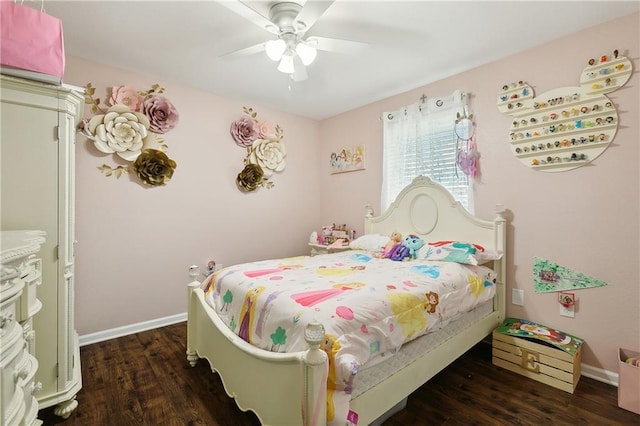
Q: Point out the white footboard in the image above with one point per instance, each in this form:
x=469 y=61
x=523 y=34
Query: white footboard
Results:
x=282 y=389
x=290 y=389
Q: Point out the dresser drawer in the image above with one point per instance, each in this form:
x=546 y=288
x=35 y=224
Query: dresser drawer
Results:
x=21 y=274
x=10 y=330
x=15 y=411
x=15 y=370
x=25 y=373
x=32 y=277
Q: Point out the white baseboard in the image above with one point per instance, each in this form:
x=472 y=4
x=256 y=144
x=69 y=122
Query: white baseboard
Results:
x=595 y=373
x=599 y=374
x=101 y=336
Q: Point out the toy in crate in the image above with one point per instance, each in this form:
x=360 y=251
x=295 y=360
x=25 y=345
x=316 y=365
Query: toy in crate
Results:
x=538 y=352
x=629 y=380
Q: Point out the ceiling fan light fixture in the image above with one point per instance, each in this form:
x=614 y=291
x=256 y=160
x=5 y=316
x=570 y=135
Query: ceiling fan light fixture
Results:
x=306 y=53
x=275 y=49
x=286 y=64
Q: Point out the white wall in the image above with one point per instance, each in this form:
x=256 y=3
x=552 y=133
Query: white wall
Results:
x=586 y=219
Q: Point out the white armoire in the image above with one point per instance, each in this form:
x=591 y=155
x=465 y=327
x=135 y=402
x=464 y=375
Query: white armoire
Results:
x=37 y=150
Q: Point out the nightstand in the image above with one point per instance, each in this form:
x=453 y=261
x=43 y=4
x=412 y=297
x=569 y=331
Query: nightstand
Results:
x=322 y=249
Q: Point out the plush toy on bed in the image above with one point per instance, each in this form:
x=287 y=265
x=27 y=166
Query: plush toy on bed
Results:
x=407 y=249
x=396 y=238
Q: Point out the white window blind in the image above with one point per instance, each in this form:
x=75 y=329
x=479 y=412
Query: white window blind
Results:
x=420 y=139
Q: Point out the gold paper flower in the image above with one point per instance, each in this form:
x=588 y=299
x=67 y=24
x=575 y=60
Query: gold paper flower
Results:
x=250 y=178
x=154 y=168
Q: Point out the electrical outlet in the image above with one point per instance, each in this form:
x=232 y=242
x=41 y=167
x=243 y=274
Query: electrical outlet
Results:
x=517 y=297
x=568 y=311
x=567 y=304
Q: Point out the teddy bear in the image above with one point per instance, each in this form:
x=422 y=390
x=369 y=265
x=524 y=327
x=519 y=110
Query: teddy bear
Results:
x=394 y=239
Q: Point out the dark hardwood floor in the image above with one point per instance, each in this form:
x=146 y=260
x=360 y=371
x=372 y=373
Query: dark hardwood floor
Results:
x=144 y=379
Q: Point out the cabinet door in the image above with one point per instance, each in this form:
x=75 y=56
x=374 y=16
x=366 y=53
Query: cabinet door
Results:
x=37 y=184
x=67 y=341
x=30 y=201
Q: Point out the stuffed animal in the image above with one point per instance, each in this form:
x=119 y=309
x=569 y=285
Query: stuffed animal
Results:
x=394 y=239
x=407 y=249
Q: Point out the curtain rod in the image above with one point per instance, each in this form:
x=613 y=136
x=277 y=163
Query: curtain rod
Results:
x=423 y=99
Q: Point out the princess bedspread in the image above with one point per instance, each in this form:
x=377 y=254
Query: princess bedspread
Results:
x=368 y=306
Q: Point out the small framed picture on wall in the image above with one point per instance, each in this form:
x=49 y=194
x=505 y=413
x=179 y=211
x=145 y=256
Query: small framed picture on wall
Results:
x=347 y=160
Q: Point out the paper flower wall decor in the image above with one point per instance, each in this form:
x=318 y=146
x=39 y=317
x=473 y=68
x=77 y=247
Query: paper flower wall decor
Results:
x=130 y=127
x=265 y=151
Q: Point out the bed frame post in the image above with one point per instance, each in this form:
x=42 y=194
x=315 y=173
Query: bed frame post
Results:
x=192 y=355
x=316 y=367
x=499 y=244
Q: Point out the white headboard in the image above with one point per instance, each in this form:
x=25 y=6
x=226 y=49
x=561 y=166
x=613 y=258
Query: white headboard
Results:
x=427 y=209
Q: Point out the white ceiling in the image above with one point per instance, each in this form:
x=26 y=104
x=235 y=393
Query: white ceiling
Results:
x=410 y=44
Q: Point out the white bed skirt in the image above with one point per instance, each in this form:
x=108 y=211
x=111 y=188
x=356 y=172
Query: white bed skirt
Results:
x=411 y=351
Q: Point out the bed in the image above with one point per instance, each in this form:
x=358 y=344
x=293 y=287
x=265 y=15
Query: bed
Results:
x=301 y=387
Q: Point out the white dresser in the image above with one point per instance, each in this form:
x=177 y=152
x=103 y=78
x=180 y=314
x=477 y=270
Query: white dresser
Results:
x=38 y=133
x=21 y=275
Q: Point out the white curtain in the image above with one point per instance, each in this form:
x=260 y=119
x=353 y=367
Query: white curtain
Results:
x=420 y=139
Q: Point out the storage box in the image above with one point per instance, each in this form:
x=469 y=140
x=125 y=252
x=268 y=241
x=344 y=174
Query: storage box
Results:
x=538 y=352
x=628 y=381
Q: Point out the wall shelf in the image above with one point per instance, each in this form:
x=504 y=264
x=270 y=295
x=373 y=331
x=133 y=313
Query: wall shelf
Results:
x=579 y=121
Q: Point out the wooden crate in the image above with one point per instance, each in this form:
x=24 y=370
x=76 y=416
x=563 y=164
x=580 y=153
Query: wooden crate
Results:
x=537 y=360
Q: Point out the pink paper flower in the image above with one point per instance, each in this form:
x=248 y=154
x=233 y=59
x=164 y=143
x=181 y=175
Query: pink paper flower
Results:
x=265 y=129
x=244 y=132
x=161 y=113
x=126 y=95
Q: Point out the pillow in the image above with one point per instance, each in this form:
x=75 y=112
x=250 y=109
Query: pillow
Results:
x=460 y=252
x=369 y=242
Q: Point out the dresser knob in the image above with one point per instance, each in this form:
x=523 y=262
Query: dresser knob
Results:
x=20 y=374
x=36 y=387
x=5 y=320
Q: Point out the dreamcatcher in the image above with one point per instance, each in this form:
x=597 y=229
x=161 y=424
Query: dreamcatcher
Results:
x=467 y=155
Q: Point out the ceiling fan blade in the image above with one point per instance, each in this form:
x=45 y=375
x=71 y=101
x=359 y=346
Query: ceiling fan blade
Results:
x=300 y=71
x=251 y=14
x=311 y=11
x=336 y=45
x=251 y=50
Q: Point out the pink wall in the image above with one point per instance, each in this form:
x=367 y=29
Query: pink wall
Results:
x=585 y=219
x=135 y=244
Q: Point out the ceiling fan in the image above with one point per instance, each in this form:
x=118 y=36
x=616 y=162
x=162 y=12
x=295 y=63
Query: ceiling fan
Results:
x=289 y=22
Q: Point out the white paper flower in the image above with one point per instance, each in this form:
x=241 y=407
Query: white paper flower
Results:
x=119 y=130
x=268 y=154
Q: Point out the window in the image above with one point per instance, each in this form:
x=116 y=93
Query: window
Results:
x=420 y=140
